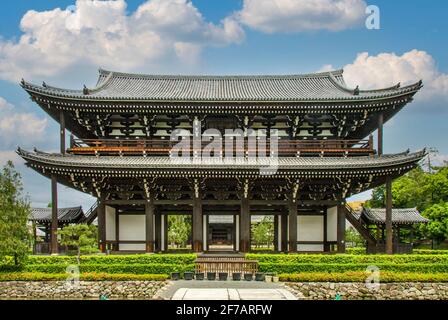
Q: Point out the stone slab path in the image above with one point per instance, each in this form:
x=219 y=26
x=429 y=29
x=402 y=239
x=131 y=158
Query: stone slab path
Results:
x=225 y=290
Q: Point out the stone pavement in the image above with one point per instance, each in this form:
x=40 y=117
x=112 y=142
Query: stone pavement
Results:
x=225 y=290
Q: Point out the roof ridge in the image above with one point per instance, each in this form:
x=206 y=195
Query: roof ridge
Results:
x=104 y=72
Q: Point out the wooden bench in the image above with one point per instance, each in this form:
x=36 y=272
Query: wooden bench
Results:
x=227 y=264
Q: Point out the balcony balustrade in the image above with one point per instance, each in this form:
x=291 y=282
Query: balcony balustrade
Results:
x=283 y=147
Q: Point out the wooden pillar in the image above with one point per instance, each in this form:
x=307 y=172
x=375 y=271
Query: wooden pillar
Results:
x=165 y=232
x=341 y=227
x=276 y=221
x=245 y=225
x=326 y=245
x=284 y=232
x=380 y=133
x=54 y=216
x=197 y=224
x=62 y=131
x=149 y=224
x=117 y=230
x=292 y=226
x=102 y=224
x=389 y=235
x=158 y=235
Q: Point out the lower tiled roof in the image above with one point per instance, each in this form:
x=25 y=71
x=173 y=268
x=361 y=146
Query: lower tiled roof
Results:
x=68 y=215
x=399 y=216
x=285 y=163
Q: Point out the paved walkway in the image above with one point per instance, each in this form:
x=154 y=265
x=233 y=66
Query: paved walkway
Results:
x=225 y=290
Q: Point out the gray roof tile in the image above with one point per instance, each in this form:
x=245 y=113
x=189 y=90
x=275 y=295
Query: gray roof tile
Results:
x=309 y=87
x=399 y=216
x=64 y=214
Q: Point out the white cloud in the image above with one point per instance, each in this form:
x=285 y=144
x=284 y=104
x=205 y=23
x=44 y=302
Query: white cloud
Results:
x=272 y=16
x=101 y=33
x=386 y=69
x=17 y=127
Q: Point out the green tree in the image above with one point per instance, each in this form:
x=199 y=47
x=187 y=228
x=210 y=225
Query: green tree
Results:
x=14 y=212
x=437 y=227
x=82 y=236
x=179 y=229
x=263 y=232
x=353 y=238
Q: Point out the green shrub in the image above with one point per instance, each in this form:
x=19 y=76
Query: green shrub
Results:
x=345 y=267
x=358 y=276
x=429 y=251
x=348 y=259
x=116 y=259
x=150 y=268
x=90 y=276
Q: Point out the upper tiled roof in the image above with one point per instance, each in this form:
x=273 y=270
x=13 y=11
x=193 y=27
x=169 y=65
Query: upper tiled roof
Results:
x=64 y=214
x=325 y=86
x=285 y=163
x=399 y=216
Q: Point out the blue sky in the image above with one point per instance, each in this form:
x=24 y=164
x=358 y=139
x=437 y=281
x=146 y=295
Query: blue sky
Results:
x=65 y=48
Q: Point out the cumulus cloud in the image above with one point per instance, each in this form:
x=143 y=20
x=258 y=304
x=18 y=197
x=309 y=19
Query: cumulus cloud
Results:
x=386 y=69
x=101 y=33
x=16 y=127
x=272 y=16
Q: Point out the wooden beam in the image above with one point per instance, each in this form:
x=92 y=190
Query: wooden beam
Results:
x=62 y=130
x=197 y=225
x=292 y=225
x=102 y=223
x=54 y=216
x=389 y=235
x=340 y=236
x=149 y=224
x=117 y=230
x=276 y=227
x=380 y=133
x=245 y=225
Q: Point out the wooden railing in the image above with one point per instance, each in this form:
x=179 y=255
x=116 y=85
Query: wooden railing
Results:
x=226 y=264
x=285 y=147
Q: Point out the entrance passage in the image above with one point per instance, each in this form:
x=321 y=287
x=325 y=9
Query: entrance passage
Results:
x=221 y=233
x=179 y=233
x=262 y=233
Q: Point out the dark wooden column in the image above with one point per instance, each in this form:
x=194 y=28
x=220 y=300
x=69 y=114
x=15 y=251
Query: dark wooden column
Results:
x=245 y=225
x=198 y=230
x=292 y=226
x=102 y=224
x=158 y=234
x=276 y=228
x=341 y=227
x=326 y=245
x=54 y=216
x=284 y=232
x=149 y=224
x=62 y=130
x=165 y=232
x=117 y=230
x=389 y=235
x=380 y=133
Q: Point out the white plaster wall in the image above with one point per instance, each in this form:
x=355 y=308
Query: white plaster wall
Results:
x=332 y=216
x=310 y=247
x=310 y=228
x=132 y=227
x=110 y=224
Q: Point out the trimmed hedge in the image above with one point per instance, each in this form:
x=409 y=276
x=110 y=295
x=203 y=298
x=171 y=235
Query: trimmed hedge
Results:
x=39 y=276
x=344 y=267
x=415 y=251
x=116 y=259
x=348 y=259
x=152 y=268
x=359 y=276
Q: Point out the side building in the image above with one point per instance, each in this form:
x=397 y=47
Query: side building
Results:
x=121 y=153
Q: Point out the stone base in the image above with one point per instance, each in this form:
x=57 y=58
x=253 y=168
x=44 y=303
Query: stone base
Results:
x=362 y=291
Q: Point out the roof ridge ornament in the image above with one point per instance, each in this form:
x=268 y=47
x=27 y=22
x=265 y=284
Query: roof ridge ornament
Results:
x=356 y=91
x=44 y=84
x=85 y=90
